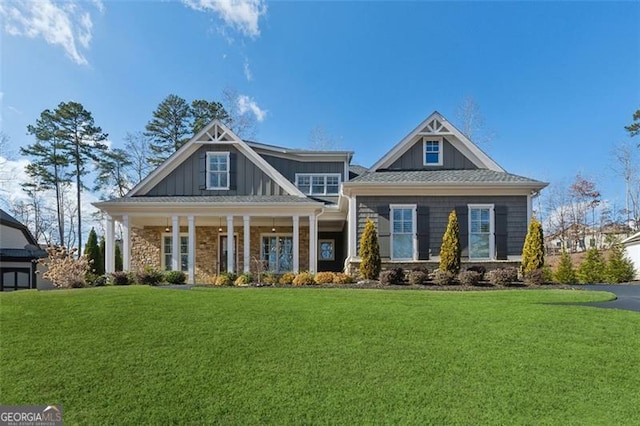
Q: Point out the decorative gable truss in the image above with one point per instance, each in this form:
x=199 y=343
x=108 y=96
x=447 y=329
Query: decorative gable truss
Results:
x=214 y=133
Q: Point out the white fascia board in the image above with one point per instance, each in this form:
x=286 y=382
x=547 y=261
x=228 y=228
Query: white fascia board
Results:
x=163 y=209
x=632 y=239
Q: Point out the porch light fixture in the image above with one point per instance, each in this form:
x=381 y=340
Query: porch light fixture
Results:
x=273 y=226
x=219 y=224
x=166 y=228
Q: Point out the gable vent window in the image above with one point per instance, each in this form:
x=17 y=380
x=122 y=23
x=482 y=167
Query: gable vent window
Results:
x=432 y=151
x=217 y=170
x=318 y=184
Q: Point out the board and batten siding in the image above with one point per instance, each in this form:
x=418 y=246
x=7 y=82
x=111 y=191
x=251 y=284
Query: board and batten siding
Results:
x=288 y=168
x=413 y=159
x=432 y=217
x=246 y=178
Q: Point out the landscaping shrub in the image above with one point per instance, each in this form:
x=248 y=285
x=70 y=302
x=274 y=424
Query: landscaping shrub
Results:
x=100 y=281
x=120 y=278
x=592 y=268
x=443 y=277
x=175 y=277
x=324 y=278
x=533 y=250
x=535 y=277
x=287 y=278
x=469 y=277
x=479 y=269
x=225 y=279
x=619 y=267
x=304 y=278
x=150 y=276
x=92 y=252
x=450 y=249
x=503 y=276
x=64 y=270
x=564 y=273
x=243 y=279
x=392 y=276
x=370 y=252
x=342 y=278
x=419 y=277
x=270 y=278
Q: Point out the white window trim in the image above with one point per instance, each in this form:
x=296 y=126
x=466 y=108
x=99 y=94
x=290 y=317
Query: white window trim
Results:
x=274 y=234
x=414 y=220
x=325 y=175
x=426 y=139
x=163 y=265
x=492 y=230
x=333 y=250
x=219 y=154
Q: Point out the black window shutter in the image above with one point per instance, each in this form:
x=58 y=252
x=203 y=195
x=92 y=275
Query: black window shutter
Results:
x=462 y=212
x=202 y=181
x=501 y=215
x=423 y=232
x=233 y=171
x=384 y=240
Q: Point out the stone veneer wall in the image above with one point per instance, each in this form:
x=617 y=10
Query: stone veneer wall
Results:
x=145 y=247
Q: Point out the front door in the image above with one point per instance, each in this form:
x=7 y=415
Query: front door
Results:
x=222 y=261
x=277 y=253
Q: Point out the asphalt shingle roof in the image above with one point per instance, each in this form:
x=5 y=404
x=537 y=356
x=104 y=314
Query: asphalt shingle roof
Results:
x=216 y=199
x=442 y=176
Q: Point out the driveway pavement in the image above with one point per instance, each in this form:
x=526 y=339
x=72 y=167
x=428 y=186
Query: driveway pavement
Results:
x=628 y=296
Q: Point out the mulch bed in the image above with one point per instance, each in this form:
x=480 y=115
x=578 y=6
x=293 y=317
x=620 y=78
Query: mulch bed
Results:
x=377 y=285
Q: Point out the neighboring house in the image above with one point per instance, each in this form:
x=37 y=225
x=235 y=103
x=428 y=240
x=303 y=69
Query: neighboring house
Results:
x=632 y=248
x=19 y=252
x=223 y=204
x=579 y=238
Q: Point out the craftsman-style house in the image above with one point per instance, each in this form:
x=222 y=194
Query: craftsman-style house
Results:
x=220 y=203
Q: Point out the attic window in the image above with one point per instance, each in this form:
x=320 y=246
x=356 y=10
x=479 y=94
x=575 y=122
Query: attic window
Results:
x=318 y=184
x=217 y=170
x=432 y=149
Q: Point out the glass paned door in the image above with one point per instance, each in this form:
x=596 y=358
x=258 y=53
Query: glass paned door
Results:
x=277 y=253
x=480 y=233
x=403 y=232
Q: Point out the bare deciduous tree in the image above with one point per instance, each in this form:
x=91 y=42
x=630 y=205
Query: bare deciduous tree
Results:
x=627 y=165
x=243 y=124
x=321 y=140
x=471 y=122
x=137 y=146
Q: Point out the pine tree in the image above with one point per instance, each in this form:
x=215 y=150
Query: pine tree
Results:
x=565 y=273
x=118 y=259
x=370 y=263
x=619 y=267
x=533 y=250
x=592 y=268
x=92 y=253
x=203 y=112
x=450 y=250
x=169 y=128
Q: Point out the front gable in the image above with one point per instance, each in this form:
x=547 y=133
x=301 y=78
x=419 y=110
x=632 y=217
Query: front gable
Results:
x=435 y=145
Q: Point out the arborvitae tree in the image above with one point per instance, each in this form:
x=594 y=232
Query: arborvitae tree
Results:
x=619 y=267
x=564 y=273
x=118 y=259
x=92 y=253
x=592 y=268
x=370 y=252
x=533 y=250
x=102 y=251
x=450 y=249
x=169 y=128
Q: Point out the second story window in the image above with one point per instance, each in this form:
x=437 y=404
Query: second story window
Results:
x=217 y=170
x=318 y=184
x=432 y=152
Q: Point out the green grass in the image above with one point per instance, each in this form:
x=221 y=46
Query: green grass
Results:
x=139 y=355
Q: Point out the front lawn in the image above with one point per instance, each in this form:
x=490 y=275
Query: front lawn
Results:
x=139 y=355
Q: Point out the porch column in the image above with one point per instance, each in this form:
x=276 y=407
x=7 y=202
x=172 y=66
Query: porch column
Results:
x=175 y=246
x=246 y=221
x=230 y=246
x=109 y=248
x=192 y=249
x=313 y=242
x=296 y=243
x=352 y=234
x=126 y=243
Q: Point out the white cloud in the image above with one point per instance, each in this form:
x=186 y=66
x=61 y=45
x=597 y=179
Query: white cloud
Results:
x=247 y=71
x=246 y=104
x=241 y=15
x=14 y=110
x=64 y=24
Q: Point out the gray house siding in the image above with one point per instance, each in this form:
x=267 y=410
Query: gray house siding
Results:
x=413 y=159
x=288 y=168
x=433 y=215
x=245 y=177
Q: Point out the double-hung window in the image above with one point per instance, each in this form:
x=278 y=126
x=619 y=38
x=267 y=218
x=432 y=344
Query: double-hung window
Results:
x=217 y=170
x=481 y=231
x=167 y=252
x=432 y=151
x=403 y=232
x=318 y=184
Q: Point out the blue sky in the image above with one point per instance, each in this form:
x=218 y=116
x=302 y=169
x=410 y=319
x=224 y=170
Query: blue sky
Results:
x=556 y=82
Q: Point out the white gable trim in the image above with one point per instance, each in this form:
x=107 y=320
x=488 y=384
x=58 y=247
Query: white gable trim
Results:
x=436 y=125
x=213 y=133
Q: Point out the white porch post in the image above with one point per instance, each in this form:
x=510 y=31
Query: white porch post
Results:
x=296 y=243
x=175 y=243
x=313 y=238
x=230 y=246
x=246 y=222
x=109 y=248
x=352 y=234
x=192 y=249
x=126 y=243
